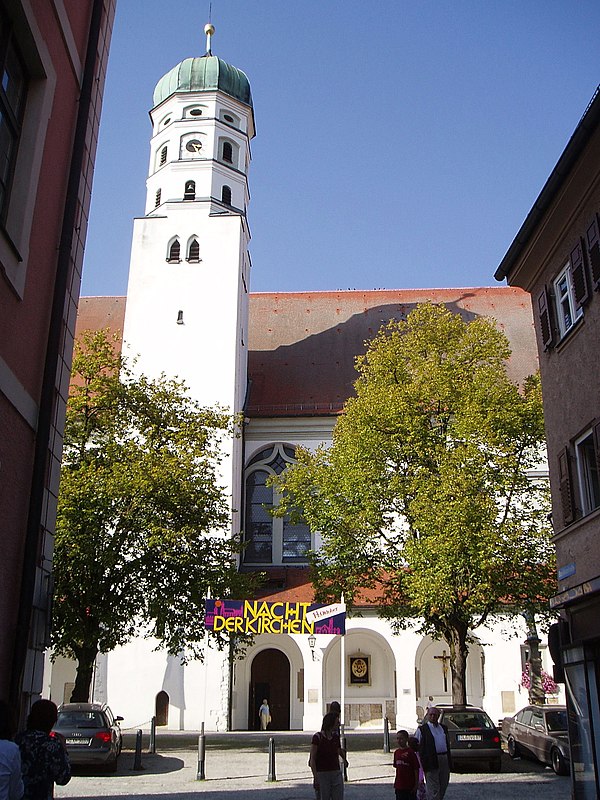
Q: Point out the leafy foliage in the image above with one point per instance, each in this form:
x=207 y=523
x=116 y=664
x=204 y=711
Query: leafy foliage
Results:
x=141 y=528
x=424 y=495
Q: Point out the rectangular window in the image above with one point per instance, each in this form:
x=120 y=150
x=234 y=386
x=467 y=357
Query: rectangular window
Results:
x=13 y=91
x=296 y=541
x=587 y=472
x=567 y=310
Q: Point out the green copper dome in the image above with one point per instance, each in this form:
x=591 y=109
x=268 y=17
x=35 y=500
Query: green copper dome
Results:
x=204 y=74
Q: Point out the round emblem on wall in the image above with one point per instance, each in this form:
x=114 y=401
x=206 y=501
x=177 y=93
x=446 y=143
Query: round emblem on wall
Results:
x=359 y=667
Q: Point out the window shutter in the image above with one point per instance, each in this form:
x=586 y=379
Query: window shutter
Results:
x=592 y=237
x=545 y=319
x=566 y=486
x=579 y=276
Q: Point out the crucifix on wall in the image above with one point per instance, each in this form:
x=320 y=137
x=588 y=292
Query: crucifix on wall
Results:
x=445 y=659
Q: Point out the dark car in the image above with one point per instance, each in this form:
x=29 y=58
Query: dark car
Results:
x=91 y=732
x=473 y=736
x=541 y=732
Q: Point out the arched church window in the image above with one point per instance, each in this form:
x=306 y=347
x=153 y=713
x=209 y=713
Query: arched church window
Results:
x=163 y=156
x=193 y=255
x=271 y=540
x=174 y=251
x=226 y=195
x=227 y=152
x=157 y=198
x=190 y=190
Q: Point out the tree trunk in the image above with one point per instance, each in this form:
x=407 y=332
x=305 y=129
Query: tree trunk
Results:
x=456 y=636
x=86 y=658
x=537 y=696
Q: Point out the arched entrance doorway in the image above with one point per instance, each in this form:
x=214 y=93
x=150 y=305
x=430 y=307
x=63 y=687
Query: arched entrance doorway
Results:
x=162 y=708
x=270 y=680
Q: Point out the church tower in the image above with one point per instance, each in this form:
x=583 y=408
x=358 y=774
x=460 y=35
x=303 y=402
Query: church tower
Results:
x=187 y=298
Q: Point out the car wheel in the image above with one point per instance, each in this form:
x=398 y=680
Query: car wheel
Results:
x=496 y=765
x=513 y=750
x=111 y=766
x=559 y=765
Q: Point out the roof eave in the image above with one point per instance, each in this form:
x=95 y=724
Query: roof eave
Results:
x=578 y=141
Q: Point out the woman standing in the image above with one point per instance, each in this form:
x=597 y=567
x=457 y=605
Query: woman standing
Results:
x=324 y=761
x=264 y=715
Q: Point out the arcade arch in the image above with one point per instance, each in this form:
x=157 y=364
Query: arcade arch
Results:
x=369 y=696
x=433 y=677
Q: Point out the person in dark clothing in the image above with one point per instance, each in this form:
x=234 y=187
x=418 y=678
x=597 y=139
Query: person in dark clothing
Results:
x=434 y=752
x=44 y=759
x=324 y=761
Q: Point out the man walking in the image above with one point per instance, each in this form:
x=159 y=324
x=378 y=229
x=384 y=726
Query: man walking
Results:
x=434 y=752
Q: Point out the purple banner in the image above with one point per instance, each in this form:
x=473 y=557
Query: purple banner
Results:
x=258 y=616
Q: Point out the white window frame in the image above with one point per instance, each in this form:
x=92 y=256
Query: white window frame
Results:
x=567 y=310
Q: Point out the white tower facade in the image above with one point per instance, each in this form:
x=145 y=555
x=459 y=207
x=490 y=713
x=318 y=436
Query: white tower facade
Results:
x=187 y=298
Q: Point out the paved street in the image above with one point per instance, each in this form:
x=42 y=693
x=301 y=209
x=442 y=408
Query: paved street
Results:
x=238 y=763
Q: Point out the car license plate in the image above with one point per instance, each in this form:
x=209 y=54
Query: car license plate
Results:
x=468 y=737
x=77 y=741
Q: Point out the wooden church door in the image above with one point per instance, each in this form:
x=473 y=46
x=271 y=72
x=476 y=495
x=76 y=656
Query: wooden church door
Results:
x=270 y=680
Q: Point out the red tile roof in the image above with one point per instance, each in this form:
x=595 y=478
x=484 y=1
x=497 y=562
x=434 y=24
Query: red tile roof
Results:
x=302 y=345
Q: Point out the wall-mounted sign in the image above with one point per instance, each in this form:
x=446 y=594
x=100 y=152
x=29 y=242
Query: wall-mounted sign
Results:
x=258 y=616
x=359 y=670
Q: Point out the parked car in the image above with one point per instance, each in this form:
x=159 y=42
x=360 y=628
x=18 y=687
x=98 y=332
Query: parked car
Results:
x=91 y=732
x=473 y=736
x=541 y=732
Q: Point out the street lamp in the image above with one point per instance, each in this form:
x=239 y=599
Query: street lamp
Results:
x=312 y=640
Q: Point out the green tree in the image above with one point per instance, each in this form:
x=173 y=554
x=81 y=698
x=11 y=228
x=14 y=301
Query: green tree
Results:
x=141 y=527
x=424 y=493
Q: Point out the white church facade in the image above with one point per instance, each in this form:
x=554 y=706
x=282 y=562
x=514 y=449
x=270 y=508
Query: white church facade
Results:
x=285 y=361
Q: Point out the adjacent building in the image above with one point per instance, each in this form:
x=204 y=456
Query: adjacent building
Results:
x=555 y=256
x=53 y=60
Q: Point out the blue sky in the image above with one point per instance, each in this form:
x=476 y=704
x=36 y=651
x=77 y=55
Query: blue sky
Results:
x=399 y=144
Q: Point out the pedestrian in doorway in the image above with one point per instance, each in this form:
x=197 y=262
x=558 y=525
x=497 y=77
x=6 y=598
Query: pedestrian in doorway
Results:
x=434 y=751
x=44 y=759
x=407 y=769
x=264 y=715
x=324 y=761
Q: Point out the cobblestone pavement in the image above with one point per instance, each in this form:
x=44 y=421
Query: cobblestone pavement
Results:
x=239 y=763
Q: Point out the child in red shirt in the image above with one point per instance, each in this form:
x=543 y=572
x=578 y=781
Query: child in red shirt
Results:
x=407 y=769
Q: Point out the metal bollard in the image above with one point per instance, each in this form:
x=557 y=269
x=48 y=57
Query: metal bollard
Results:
x=345 y=749
x=271 y=776
x=386 y=735
x=200 y=774
x=152 y=748
x=137 y=759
